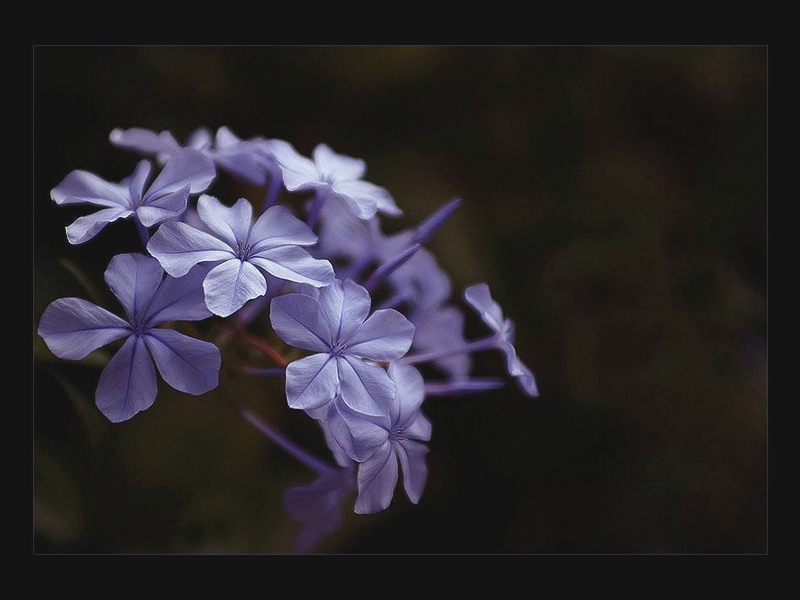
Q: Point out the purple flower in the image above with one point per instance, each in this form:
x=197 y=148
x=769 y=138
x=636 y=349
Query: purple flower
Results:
x=241 y=250
x=334 y=175
x=187 y=172
x=334 y=323
x=480 y=298
x=72 y=328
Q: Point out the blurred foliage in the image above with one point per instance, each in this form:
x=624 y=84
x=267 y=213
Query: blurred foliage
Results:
x=615 y=199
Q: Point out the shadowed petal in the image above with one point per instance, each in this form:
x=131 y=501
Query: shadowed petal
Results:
x=311 y=382
x=278 y=227
x=366 y=388
x=179 y=247
x=85 y=228
x=83 y=187
x=296 y=319
x=134 y=279
x=293 y=263
x=332 y=166
x=128 y=384
x=187 y=364
x=365 y=433
x=518 y=370
x=180 y=299
x=385 y=335
x=480 y=298
x=369 y=197
x=377 y=478
x=299 y=172
x=136 y=182
x=230 y=284
x=411 y=455
x=144 y=141
x=72 y=328
x=187 y=167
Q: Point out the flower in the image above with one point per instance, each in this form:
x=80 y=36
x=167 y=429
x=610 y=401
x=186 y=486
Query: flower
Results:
x=334 y=322
x=187 y=172
x=480 y=298
x=73 y=327
x=334 y=175
x=241 y=250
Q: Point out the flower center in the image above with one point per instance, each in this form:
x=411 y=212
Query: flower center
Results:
x=338 y=348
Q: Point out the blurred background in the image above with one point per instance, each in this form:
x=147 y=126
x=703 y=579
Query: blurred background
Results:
x=614 y=199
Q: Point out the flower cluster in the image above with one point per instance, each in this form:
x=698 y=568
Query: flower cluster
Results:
x=365 y=323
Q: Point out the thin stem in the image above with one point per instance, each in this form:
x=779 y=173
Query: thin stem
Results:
x=316 y=207
x=468 y=348
x=144 y=234
x=464 y=386
x=262 y=345
x=273 y=188
x=266 y=371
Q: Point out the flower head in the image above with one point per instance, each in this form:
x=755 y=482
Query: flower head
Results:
x=241 y=251
x=73 y=327
x=334 y=323
x=186 y=172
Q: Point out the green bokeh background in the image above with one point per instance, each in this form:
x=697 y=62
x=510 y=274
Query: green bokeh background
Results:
x=615 y=200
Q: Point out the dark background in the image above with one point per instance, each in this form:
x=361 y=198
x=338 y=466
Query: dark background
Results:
x=615 y=200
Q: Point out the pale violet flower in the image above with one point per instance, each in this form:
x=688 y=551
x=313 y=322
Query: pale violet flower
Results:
x=480 y=298
x=348 y=342
x=334 y=176
x=186 y=172
x=240 y=252
x=72 y=328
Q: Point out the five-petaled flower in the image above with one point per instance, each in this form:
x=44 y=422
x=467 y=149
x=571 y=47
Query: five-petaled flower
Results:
x=240 y=249
x=72 y=328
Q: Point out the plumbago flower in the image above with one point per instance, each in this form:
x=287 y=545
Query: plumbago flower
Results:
x=240 y=249
x=186 y=172
x=348 y=343
x=72 y=328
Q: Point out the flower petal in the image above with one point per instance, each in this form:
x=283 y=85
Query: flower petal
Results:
x=180 y=298
x=278 y=227
x=128 y=383
x=518 y=370
x=178 y=247
x=85 y=228
x=72 y=328
x=136 y=182
x=187 y=167
x=410 y=392
x=144 y=141
x=337 y=167
x=134 y=279
x=163 y=208
x=311 y=382
x=385 y=335
x=299 y=172
x=232 y=225
x=296 y=320
x=411 y=455
x=232 y=283
x=377 y=478
x=368 y=197
x=83 y=187
x=187 y=364
x=480 y=298
x=365 y=433
x=293 y=263
x=365 y=388
x=344 y=306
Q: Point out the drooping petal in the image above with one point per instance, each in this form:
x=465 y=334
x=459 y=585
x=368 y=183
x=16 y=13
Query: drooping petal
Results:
x=232 y=225
x=337 y=167
x=419 y=427
x=83 y=187
x=163 y=208
x=344 y=306
x=180 y=298
x=73 y=327
x=377 y=478
x=385 y=335
x=365 y=388
x=410 y=392
x=293 y=263
x=85 y=228
x=128 y=383
x=296 y=320
x=480 y=298
x=299 y=172
x=134 y=279
x=411 y=455
x=187 y=364
x=178 y=247
x=311 y=382
x=230 y=284
x=187 y=167
x=369 y=198
x=519 y=371
x=365 y=433
x=144 y=141
x=278 y=227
